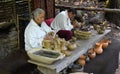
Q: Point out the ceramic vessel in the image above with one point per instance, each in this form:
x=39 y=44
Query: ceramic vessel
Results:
x=98 y=48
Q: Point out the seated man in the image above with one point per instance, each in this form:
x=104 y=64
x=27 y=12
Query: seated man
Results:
x=37 y=30
x=62 y=23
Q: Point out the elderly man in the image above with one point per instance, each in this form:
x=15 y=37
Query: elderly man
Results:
x=37 y=30
x=62 y=23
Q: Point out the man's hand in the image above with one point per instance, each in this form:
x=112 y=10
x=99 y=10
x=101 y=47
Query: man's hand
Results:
x=48 y=37
x=51 y=33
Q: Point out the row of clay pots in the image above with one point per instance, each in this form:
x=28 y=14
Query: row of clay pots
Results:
x=101 y=45
x=82 y=59
x=98 y=49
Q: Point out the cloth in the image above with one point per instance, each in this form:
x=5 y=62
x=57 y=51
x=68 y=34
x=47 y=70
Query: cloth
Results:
x=61 y=22
x=34 y=34
x=65 y=34
x=107 y=62
x=49 y=21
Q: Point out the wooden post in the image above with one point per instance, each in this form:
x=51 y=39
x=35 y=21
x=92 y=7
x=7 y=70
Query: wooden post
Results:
x=50 y=8
x=114 y=16
x=47 y=5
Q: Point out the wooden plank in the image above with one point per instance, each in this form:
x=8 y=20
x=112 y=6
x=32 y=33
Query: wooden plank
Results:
x=87 y=8
x=85 y=45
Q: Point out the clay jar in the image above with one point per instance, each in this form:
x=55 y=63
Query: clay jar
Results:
x=46 y=44
x=82 y=62
x=98 y=48
x=105 y=43
x=63 y=44
x=83 y=57
x=92 y=53
x=72 y=46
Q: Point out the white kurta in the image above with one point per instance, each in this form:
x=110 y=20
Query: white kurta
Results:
x=62 y=22
x=34 y=34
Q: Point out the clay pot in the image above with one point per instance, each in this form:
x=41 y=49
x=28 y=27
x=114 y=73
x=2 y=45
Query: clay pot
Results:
x=98 y=48
x=105 y=43
x=82 y=57
x=74 y=39
x=72 y=46
x=82 y=62
x=63 y=44
x=92 y=55
x=66 y=52
x=91 y=51
x=46 y=44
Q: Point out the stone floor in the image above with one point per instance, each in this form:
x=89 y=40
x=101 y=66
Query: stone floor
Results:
x=118 y=70
x=115 y=33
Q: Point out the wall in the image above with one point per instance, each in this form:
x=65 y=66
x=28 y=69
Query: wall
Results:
x=47 y=5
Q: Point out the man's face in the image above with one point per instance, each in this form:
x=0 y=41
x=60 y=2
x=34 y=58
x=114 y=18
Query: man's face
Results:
x=40 y=18
x=71 y=15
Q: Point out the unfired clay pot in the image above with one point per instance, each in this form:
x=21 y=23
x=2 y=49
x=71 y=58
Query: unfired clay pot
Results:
x=46 y=44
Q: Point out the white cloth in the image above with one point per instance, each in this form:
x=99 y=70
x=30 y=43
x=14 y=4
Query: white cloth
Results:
x=62 y=22
x=34 y=34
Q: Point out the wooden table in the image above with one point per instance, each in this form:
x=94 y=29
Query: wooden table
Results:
x=59 y=65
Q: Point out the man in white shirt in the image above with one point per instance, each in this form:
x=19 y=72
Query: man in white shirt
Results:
x=62 y=23
x=37 y=30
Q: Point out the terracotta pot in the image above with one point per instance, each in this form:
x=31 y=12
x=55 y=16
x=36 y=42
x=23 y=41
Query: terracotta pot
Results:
x=82 y=57
x=82 y=62
x=91 y=51
x=98 y=48
x=92 y=55
x=105 y=43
